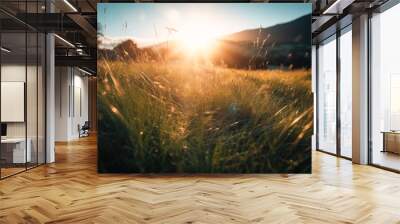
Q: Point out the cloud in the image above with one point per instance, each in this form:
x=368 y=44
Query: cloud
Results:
x=110 y=42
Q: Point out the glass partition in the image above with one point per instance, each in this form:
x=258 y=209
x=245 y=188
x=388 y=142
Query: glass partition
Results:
x=14 y=153
x=22 y=88
x=346 y=92
x=31 y=99
x=385 y=89
x=327 y=95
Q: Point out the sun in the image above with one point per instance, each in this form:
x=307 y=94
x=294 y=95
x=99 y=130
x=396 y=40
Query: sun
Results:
x=198 y=36
x=197 y=42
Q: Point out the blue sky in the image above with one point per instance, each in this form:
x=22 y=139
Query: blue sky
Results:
x=147 y=23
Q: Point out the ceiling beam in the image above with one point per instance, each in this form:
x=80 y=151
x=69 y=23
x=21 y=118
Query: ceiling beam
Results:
x=338 y=6
x=77 y=61
x=49 y=22
x=86 y=26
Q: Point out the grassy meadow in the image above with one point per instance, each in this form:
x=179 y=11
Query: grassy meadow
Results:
x=168 y=117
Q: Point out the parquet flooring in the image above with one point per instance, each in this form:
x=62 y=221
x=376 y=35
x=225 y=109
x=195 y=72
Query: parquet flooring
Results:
x=11 y=170
x=71 y=191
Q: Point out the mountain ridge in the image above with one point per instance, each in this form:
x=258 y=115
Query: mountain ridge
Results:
x=284 y=45
x=294 y=27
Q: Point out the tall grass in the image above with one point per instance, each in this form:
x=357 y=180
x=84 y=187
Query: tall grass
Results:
x=167 y=117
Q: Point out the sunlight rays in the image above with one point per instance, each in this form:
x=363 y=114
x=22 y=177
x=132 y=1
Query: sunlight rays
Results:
x=197 y=34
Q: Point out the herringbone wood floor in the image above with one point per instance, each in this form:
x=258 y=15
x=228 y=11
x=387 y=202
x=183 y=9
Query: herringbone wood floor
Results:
x=71 y=191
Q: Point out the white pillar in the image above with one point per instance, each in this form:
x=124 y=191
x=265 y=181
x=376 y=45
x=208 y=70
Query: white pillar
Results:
x=50 y=92
x=50 y=99
x=360 y=90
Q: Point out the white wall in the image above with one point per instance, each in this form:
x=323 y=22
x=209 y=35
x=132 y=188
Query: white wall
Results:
x=33 y=127
x=80 y=108
x=71 y=94
x=10 y=73
x=62 y=81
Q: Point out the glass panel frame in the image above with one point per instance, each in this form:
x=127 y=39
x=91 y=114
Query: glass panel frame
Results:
x=13 y=81
x=327 y=96
x=384 y=72
x=337 y=113
x=26 y=57
x=345 y=93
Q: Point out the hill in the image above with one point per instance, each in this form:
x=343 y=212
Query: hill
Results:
x=296 y=31
x=285 y=45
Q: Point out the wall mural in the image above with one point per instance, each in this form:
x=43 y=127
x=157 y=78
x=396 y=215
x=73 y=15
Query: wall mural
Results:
x=204 y=88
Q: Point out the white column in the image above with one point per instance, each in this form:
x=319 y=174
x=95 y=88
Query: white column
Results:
x=50 y=100
x=50 y=92
x=360 y=90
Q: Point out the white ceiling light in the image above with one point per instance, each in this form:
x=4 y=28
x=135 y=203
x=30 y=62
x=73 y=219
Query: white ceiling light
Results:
x=79 y=51
x=70 y=5
x=64 y=40
x=84 y=71
x=5 y=50
x=331 y=7
x=338 y=6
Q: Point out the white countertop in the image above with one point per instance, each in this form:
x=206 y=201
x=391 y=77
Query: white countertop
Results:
x=13 y=140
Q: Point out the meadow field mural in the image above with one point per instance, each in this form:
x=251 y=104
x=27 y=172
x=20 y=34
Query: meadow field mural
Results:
x=204 y=88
